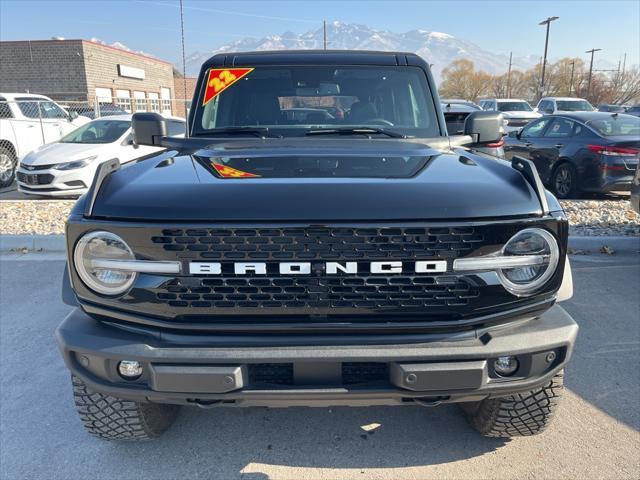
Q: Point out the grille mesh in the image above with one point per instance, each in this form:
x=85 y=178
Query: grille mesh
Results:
x=377 y=292
x=320 y=243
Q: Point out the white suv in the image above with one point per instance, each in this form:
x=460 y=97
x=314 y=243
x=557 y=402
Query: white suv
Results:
x=516 y=112
x=26 y=122
x=549 y=105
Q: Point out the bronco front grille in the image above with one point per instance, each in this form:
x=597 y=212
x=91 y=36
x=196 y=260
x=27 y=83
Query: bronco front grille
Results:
x=233 y=244
x=362 y=292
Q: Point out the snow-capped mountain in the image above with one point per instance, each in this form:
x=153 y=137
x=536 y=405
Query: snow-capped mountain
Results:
x=439 y=49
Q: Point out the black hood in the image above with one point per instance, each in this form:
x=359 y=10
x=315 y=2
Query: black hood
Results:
x=451 y=185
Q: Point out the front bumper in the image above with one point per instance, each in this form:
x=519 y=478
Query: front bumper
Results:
x=183 y=370
x=54 y=183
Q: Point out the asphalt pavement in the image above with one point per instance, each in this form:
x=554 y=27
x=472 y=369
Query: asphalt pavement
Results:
x=595 y=434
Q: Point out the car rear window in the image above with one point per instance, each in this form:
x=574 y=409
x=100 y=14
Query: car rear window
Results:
x=291 y=100
x=514 y=107
x=617 y=125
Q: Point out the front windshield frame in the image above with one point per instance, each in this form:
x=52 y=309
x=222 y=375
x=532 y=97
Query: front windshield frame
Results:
x=76 y=136
x=432 y=127
x=509 y=107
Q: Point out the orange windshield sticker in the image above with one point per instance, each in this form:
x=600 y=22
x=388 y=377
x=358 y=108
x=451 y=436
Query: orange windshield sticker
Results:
x=220 y=79
x=228 y=172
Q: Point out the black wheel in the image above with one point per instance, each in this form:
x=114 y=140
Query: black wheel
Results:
x=565 y=181
x=7 y=166
x=112 y=418
x=518 y=415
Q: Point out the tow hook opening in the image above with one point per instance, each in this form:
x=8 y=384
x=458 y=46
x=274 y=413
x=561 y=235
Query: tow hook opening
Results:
x=429 y=401
x=204 y=403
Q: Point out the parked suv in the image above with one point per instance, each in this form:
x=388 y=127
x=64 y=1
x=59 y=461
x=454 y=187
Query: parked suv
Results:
x=549 y=105
x=26 y=122
x=270 y=261
x=516 y=112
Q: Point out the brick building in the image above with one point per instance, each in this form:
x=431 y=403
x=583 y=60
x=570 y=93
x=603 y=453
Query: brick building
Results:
x=82 y=70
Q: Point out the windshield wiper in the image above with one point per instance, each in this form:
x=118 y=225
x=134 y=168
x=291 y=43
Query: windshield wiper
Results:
x=365 y=130
x=257 y=131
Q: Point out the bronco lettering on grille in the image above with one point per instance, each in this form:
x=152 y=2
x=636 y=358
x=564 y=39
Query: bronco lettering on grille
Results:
x=329 y=268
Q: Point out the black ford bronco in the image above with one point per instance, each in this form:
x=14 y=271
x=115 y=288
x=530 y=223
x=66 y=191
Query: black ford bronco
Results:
x=316 y=239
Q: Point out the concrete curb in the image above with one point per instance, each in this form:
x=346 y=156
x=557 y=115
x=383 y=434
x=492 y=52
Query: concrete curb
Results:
x=56 y=243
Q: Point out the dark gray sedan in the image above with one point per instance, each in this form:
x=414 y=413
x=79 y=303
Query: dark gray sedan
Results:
x=581 y=151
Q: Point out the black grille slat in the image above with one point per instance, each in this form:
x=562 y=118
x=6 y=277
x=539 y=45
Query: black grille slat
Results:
x=320 y=292
x=321 y=243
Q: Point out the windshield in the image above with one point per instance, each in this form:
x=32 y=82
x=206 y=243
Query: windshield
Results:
x=617 y=125
x=514 y=107
x=291 y=100
x=39 y=108
x=98 y=131
x=574 y=105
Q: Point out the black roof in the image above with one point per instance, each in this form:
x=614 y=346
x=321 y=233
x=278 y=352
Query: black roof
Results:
x=313 y=57
x=585 y=116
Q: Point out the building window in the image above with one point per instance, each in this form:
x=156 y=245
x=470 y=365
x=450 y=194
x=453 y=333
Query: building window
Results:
x=154 y=102
x=165 y=95
x=141 y=101
x=123 y=100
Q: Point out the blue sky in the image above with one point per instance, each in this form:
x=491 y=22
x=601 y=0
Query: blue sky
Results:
x=497 y=26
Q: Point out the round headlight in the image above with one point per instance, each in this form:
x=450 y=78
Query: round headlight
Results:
x=527 y=279
x=96 y=246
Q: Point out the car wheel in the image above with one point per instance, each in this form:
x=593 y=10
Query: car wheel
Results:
x=518 y=415
x=7 y=167
x=112 y=418
x=565 y=181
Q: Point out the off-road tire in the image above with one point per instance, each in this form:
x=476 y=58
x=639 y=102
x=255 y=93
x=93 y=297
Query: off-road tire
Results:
x=112 y=418
x=9 y=163
x=518 y=415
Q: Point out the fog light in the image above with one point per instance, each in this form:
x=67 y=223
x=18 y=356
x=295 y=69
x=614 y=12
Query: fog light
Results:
x=505 y=366
x=129 y=369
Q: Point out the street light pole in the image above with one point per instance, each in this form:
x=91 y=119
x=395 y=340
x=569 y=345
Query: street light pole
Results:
x=573 y=66
x=546 y=22
x=592 y=51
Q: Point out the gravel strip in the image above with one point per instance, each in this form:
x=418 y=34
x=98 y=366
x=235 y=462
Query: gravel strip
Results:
x=586 y=217
x=601 y=217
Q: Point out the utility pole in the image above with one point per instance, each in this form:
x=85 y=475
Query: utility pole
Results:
x=592 y=51
x=324 y=32
x=573 y=66
x=509 y=76
x=546 y=22
x=624 y=63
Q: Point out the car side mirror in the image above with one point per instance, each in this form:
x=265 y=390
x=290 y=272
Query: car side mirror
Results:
x=548 y=110
x=484 y=127
x=73 y=115
x=514 y=133
x=148 y=128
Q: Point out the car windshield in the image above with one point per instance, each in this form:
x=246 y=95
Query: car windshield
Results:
x=574 y=105
x=514 y=107
x=293 y=100
x=39 y=108
x=98 y=131
x=617 y=125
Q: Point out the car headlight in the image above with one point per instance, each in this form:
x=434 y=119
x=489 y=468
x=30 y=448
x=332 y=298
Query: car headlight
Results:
x=75 y=164
x=525 y=263
x=539 y=246
x=93 y=251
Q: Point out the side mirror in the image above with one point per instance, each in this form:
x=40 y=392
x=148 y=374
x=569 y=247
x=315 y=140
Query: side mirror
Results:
x=514 y=134
x=73 y=115
x=548 y=110
x=148 y=128
x=484 y=127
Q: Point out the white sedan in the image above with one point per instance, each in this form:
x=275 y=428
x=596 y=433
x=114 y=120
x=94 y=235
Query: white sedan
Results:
x=67 y=167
